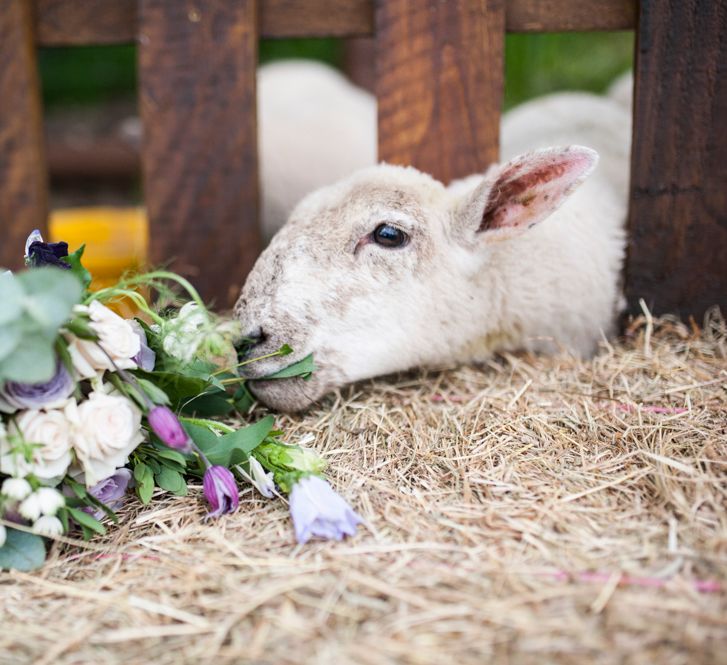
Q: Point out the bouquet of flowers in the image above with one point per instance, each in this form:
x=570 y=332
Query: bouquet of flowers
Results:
x=93 y=406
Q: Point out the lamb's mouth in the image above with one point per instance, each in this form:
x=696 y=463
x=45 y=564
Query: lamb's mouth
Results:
x=292 y=394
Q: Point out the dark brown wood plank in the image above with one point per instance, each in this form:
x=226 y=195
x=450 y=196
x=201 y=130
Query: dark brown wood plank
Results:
x=199 y=158
x=22 y=168
x=570 y=15
x=678 y=220
x=316 y=18
x=68 y=22
x=75 y=22
x=439 y=84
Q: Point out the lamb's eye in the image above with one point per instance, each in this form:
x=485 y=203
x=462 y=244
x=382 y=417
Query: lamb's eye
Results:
x=389 y=236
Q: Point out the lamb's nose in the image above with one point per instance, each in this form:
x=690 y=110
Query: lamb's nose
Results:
x=255 y=336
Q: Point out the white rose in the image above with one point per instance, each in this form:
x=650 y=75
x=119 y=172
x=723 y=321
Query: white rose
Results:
x=107 y=430
x=50 y=459
x=116 y=337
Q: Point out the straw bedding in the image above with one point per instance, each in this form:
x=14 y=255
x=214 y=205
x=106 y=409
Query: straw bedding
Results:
x=533 y=510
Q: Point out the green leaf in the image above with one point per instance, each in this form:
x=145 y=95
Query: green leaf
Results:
x=235 y=447
x=77 y=269
x=10 y=335
x=303 y=369
x=50 y=294
x=86 y=520
x=32 y=361
x=141 y=470
x=170 y=480
x=209 y=405
x=155 y=394
x=202 y=436
x=179 y=388
x=12 y=296
x=22 y=551
x=171 y=455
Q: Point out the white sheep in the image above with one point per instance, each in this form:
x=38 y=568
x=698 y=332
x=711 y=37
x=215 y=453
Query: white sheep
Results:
x=388 y=269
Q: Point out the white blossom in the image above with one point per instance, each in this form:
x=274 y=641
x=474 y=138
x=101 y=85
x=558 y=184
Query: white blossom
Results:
x=117 y=340
x=184 y=333
x=16 y=488
x=30 y=508
x=263 y=482
x=48 y=526
x=50 y=500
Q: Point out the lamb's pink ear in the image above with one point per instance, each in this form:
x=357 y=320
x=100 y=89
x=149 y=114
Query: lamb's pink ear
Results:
x=526 y=190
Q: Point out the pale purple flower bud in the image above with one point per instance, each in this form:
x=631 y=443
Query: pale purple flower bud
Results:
x=318 y=511
x=146 y=358
x=220 y=490
x=110 y=492
x=39 y=395
x=168 y=428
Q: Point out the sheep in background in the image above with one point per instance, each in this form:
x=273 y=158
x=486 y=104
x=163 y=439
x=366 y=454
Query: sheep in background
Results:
x=389 y=269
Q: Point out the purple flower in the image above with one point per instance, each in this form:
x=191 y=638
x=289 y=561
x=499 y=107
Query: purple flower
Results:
x=220 y=490
x=318 y=511
x=146 y=358
x=39 y=253
x=110 y=492
x=168 y=428
x=37 y=395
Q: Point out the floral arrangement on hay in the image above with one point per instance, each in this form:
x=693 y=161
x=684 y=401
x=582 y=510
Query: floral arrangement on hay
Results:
x=93 y=406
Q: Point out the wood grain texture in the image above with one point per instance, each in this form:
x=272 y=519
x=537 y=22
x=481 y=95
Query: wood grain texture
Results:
x=197 y=65
x=23 y=176
x=439 y=84
x=677 y=259
x=68 y=22
x=74 y=22
x=570 y=15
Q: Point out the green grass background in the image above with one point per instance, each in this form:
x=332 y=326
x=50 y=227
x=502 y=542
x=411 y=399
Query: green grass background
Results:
x=534 y=65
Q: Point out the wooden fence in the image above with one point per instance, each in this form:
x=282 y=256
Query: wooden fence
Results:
x=439 y=83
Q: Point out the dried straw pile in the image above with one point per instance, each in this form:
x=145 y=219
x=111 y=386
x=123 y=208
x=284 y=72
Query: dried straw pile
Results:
x=532 y=511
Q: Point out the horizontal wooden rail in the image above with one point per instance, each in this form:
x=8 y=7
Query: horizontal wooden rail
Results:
x=77 y=23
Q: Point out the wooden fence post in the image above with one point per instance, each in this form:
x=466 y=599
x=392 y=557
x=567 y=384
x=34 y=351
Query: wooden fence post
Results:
x=677 y=258
x=23 y=177
x=440 y=83
x=197 y=66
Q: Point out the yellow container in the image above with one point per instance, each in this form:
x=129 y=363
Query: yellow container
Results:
x=116 y=239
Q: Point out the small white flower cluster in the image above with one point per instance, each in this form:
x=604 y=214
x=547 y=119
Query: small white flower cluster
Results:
x=39 y=506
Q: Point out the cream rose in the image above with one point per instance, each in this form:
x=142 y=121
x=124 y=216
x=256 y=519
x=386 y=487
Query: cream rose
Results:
x=107 y=429
x=116 y=337
x=50 y=459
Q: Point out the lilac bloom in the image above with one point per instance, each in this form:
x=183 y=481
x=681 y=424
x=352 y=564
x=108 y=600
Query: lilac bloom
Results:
x=220 y=490
x=168 y=428
x=110 y=492
x=146 y=358
x=38 y=395
x=318 y=511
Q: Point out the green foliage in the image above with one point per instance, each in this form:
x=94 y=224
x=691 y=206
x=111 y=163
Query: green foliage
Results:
x=35 y=304
x=22 y=551
x=302 y=369
x=232 y=448
x=74 y=260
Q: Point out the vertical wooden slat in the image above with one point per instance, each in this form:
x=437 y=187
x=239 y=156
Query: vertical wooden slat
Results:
x=197 y=64
x=23 y=175
x=678 y=220
x=440 y=83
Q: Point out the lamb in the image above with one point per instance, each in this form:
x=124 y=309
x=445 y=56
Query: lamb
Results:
x=389 y=269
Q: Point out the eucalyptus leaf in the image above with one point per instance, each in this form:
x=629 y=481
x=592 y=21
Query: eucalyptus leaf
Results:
x=10 y=335
x=50 y=294
x=22 y=551
x=32 y=361
x=11 y=297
